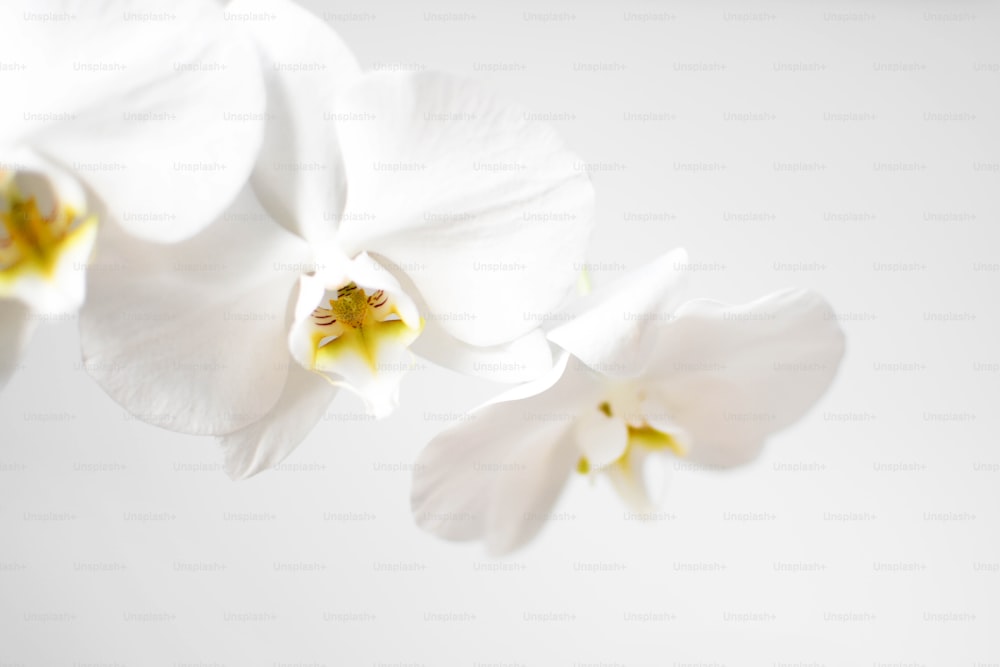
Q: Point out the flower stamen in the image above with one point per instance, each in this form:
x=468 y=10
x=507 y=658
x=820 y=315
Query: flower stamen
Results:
x=31 y=238
x=354 y=320
x=357 y=337
x=40 y=234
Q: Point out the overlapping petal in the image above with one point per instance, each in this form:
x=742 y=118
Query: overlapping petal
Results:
x=527 y=487
x=268 y=441
x=193 y=336
x=299 y=175
x=158 y=108
x=496 y=476
x=615 y=332
x=521 y=360
x=484 y=210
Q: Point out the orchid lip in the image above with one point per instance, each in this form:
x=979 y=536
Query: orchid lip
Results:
x=30 y=238
x=354 y=318
x=357 y=337
x=40 y=233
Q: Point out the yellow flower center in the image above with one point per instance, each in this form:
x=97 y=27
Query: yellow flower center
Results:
x=352 y=305
x=644 y=436
x=356 y=322
x=353 y=308
x=32 y=240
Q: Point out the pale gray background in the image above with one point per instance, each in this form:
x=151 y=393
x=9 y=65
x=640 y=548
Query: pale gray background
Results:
x=877 y=539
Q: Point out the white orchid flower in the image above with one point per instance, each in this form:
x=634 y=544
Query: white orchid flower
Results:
x=640 y=377
x=111 y=110
x=417 y=213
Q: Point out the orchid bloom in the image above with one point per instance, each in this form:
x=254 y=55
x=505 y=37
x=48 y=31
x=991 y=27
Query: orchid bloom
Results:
x=111 y=112
x=416 y=213
x=640 y=377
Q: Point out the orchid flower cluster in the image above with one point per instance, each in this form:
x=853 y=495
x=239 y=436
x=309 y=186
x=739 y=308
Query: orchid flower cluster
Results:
x=300 y=227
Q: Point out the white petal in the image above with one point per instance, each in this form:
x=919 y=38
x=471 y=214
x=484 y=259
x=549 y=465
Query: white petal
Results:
x=494 y=476
x=485 y=211
x=615 y=331
x=601 y=439
x=16 y=326
x=527 y=488
x=299 y=175
x=731 y=375
x=192 y=336
x=522 y=360
x=142 y=110
x=265 y=443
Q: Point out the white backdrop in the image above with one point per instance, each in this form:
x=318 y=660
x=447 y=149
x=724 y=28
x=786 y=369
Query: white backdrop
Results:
x=848 y=147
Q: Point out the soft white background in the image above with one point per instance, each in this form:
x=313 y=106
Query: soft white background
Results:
x=318 y=563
